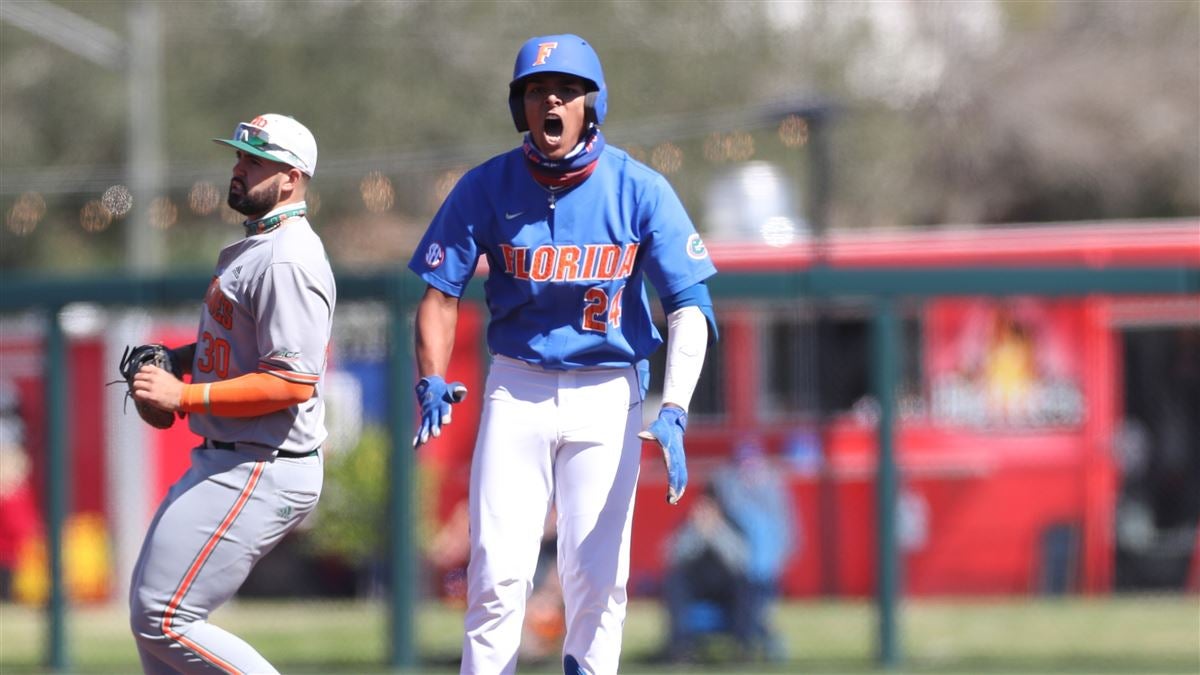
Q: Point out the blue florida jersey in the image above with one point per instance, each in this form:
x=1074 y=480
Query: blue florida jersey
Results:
x=564 y=285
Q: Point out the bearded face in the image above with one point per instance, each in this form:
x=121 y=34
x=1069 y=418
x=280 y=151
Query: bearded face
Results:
x=253 y=200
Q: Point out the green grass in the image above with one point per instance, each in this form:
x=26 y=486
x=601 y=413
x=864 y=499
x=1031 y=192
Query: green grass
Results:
x=1136 y=635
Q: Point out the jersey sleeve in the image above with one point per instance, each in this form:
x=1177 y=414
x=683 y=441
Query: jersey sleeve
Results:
x=448 y=253
x=677 y=257
x=294 y=320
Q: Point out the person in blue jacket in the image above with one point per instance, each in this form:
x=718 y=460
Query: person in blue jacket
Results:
x=756 y=502
x=725 y=562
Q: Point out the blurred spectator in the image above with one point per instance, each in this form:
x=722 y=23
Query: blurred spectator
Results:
x=724 y=563
x=1193 y=583
x=755 y=499
x=705 y=584
x=545 y=618
x=448 y=554
x=18 y=514
x=545 y=614
x=19 y=523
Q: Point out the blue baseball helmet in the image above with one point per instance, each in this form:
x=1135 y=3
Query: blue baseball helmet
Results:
x=568 y=54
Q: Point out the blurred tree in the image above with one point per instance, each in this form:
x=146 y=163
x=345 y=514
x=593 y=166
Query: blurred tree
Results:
x=976 y=112
x=347 y=523
x=1038 y=111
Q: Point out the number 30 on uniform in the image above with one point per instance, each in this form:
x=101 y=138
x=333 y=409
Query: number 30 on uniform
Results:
x=215 y=355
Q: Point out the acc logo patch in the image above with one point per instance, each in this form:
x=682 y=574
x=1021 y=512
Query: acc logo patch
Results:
x=695 y=248
x=434 y=255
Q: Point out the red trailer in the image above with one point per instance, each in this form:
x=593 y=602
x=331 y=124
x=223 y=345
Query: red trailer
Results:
x=1012 y=413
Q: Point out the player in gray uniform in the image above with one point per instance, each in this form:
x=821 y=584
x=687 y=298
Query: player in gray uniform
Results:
x=255 y=398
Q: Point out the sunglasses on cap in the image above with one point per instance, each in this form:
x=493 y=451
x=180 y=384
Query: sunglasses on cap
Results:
x=259 y=137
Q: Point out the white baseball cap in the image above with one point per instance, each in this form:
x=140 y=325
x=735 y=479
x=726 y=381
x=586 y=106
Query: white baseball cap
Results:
x=278 y=138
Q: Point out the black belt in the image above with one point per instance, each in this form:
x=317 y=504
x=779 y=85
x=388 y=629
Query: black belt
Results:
x=226 y=445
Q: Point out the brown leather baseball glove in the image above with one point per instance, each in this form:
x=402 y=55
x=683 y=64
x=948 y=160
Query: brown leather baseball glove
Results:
x=150 y=355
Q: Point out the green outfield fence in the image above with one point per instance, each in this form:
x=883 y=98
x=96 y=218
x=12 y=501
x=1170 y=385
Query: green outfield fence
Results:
x=399 y=291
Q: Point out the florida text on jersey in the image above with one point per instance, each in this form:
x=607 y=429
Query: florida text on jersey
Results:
x=566 y=269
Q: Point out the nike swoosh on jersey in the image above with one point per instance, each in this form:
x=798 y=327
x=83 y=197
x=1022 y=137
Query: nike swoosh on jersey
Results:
x=510 y=216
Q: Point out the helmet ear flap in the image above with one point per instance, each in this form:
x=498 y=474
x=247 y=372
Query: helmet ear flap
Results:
x=589 y=107
x=516 y=105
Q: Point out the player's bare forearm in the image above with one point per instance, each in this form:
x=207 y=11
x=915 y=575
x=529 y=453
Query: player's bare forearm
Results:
x=437 y=318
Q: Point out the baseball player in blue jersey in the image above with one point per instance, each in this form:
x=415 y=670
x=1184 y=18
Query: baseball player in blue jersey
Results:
x=255 y=398
x=570 y=228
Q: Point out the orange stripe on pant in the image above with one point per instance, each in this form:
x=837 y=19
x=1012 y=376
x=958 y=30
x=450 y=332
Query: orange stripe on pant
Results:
x=194 y=570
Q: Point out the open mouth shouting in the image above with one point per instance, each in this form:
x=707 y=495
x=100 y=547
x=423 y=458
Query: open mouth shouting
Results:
x=557 y=135
x=552 y=129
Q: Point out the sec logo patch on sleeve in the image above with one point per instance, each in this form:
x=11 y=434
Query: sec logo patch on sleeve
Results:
x=695 y=248
x=434 y=255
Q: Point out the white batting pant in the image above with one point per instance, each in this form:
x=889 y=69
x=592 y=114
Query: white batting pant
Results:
x=571 y=437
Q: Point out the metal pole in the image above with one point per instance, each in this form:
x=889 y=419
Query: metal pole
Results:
x=68 y=30
x=400 y=377
x=145 y=246
x=129 y=463
x=820 y=175
x=58 y=478
x=885 y=336
x=817 y=198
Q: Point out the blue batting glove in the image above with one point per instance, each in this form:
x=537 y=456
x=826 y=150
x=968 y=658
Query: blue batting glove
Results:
x=668 y=431
x=435 y=397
